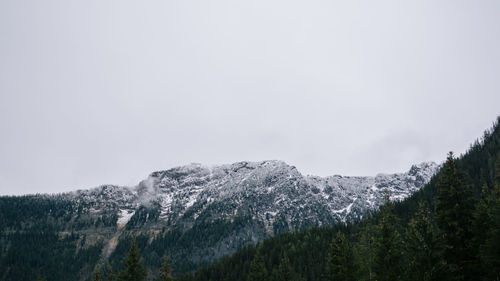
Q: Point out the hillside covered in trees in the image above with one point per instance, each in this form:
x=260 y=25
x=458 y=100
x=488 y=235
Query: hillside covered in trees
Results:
x=446 y=231
x=196 y=213
x=449 y=230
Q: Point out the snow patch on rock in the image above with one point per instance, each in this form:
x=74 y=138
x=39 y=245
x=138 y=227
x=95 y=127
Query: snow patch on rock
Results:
x=124 y=217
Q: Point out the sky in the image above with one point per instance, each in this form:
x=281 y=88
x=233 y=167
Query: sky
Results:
x=105 y=92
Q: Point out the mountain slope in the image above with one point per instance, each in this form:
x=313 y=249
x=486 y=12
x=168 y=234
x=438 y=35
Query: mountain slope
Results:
x=199 y=214
x=269 y=191
x=308 y=251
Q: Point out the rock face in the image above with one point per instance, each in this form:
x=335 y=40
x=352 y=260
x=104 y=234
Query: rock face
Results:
x=275 y=195
x=208 y=212
x=271 y=192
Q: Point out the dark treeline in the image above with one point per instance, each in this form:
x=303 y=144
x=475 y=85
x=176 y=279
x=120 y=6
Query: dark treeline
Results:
x=42 y=252
x=133 y=268
x=449 y=230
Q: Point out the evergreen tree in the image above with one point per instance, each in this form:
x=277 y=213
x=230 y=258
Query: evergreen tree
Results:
x=388 y=252
x=482 y=216
x=258 y=270
x=454 y=211
x=340 y=265
x=110 y=275
x=165 y=270
x=490 y=250
x=284 y=272
x=497 y=172
x=423 y=247
x=365 y=252
x=134 y=269
x=481 y=227
x=97 y=275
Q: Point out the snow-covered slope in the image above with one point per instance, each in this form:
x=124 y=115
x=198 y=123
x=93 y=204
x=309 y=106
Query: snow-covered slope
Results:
x=271 y=192
x=199 y=213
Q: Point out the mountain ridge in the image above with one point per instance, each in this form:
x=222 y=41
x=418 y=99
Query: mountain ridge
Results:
x=199 y=213
x=180 y=187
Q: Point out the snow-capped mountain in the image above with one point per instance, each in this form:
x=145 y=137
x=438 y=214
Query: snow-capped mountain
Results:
x=271 y=192
x=261 y=198
x=199 y=213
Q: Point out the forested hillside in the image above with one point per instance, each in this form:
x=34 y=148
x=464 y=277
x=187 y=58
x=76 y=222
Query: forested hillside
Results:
x=446 y=231
x=449 y=230
x=196 y=213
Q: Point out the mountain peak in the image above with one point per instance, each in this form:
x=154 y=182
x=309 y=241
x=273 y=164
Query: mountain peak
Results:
x=244 y=201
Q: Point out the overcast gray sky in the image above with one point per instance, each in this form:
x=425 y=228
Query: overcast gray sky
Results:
x=95 y=92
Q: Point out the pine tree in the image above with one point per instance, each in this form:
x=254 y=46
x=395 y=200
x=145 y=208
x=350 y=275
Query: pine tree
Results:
x=110 y=275
x=388 y=253
x=497 y=173
x=134 y=269
x=490 y=250
x=258 y=270
x=454 y=211
x=340 y=265
x=481 y=227
x=165 y=270
x=97 y=275
x=365 y=252
x=284 y=272
x=423 y=247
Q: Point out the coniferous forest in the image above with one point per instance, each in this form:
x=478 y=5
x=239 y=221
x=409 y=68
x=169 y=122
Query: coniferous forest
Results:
x=250 y=140
x=449 y=230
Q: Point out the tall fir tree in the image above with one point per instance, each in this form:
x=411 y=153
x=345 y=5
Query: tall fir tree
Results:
x=110 y=275
x=388 y=264
x=365 y=252
x=423 y=247
x=454 y=215
x=340 y=266
x=481 y=227
x=97 y=275
x=490 y=250
x=497 y=172
x=165 y=270
x=284 y=270
x=258 y=270
x=134 y=269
